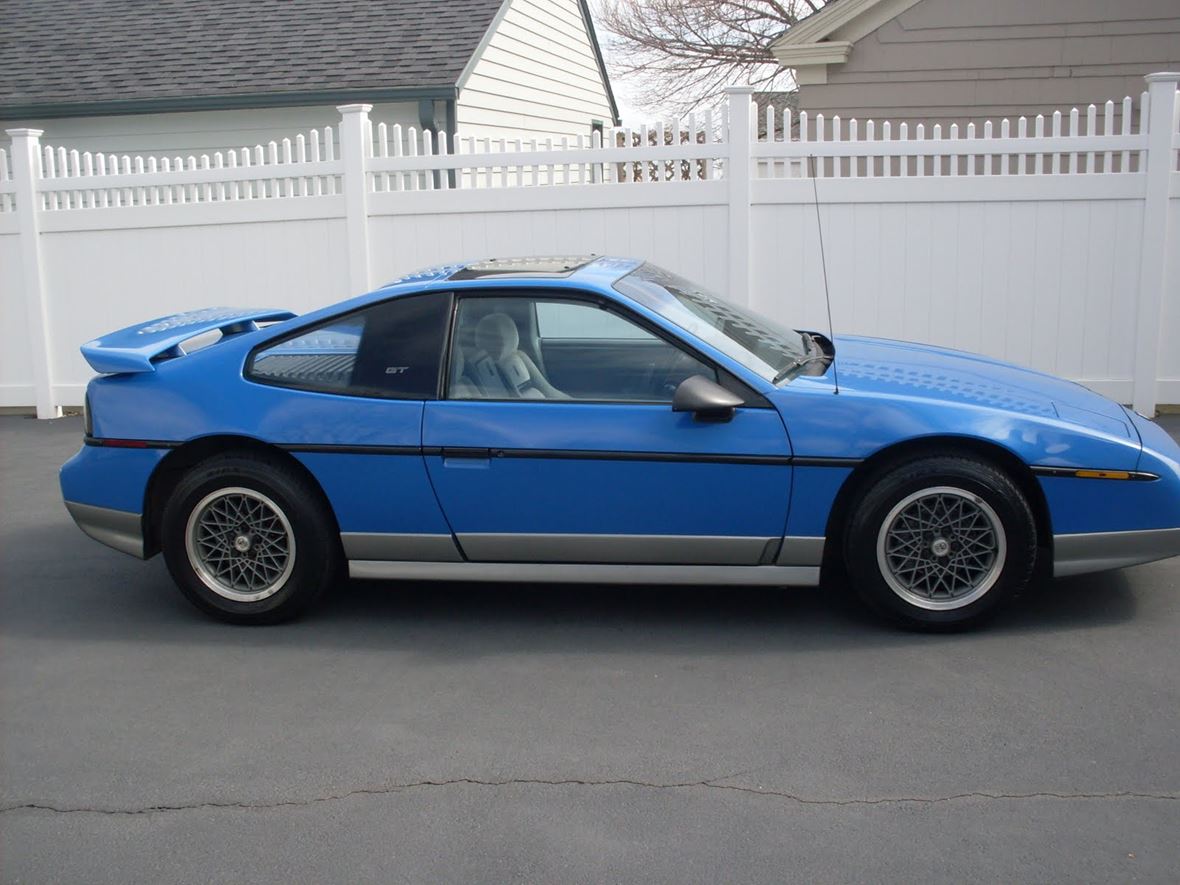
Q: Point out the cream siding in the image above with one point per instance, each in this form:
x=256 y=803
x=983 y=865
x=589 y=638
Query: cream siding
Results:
x=198 y=132
x=537 y=76
x=954 y=61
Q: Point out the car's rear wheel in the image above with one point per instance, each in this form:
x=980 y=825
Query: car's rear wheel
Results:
x=247 y=540
x=940 y=542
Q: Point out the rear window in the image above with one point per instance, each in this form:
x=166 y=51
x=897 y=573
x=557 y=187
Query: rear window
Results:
x=390 y=350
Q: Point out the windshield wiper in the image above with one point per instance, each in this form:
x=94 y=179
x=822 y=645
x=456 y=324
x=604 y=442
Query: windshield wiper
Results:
x=813 y=353
x=799 y=364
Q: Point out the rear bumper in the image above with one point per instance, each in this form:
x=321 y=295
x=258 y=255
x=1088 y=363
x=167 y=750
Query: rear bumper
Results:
x=115 y=528
x=105 y=491
x=1099 y=551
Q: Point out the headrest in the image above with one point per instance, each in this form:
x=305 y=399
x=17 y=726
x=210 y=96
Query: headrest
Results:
x=496 y=334
x=458 y=361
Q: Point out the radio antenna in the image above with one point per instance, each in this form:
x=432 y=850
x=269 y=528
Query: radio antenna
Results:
x=823 y=261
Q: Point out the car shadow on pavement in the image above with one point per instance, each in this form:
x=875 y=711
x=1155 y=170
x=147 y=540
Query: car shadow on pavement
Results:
x=798 y=616
x=56 y=583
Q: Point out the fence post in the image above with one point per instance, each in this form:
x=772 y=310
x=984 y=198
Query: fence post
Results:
x=355 y=148
x=1154 y=240
x=738 y=160
x=26 y=170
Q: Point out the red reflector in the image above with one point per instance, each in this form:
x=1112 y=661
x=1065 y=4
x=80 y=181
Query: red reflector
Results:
x=126 y=443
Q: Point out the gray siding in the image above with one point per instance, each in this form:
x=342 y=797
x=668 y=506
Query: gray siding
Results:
x=971 y=60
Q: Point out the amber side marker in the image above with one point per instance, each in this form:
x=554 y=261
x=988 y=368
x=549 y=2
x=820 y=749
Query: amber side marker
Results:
x=1102 y=474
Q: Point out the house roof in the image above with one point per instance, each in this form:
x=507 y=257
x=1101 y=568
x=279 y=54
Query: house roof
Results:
x=120 y=56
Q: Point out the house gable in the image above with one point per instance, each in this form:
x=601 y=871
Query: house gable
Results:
x=827 y=36
x=537 y=73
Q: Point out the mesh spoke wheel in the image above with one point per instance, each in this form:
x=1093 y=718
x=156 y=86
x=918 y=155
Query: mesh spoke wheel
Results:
x=240 y=544
x=941 y=548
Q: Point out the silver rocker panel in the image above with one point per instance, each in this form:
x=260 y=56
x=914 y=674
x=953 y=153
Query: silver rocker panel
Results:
x=577 y=573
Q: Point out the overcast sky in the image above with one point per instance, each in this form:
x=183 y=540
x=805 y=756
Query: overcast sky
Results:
x=624 y=88
x=624 y=92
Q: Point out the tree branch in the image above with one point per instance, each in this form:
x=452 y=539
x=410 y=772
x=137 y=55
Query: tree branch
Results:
x=685 y=51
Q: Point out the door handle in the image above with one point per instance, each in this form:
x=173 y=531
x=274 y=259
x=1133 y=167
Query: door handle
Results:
x=467 y=458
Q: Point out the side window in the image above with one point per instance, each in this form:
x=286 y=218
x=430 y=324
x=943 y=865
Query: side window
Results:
x=390 y=350
x=556 y=349
x=572 y=320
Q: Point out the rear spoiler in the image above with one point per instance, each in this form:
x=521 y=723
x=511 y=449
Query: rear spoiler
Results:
x=136 y=348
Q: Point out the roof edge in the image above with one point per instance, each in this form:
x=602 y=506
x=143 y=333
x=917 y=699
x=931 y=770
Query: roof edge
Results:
x=178 y=104
x=826 y=52
x=482 y=46
x=610 y=92
x=829 y=36
x=855 y=18
x=821 y=24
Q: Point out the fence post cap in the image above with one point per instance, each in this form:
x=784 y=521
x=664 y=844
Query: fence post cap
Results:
x=29 y=133
x=739 y=90
x=354 y=108
x=1163 y=77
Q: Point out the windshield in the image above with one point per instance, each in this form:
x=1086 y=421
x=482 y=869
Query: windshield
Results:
x=759 y=344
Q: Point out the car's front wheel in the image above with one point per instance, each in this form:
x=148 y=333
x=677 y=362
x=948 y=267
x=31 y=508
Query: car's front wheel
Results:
x=247 y=540
x=939 y=542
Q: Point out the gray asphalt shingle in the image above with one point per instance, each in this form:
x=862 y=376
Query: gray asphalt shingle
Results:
x=126 y=50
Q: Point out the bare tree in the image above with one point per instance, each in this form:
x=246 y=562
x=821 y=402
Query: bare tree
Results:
x=660 y=170
x=685 y=51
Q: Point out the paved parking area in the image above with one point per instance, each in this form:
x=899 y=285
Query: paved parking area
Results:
x=456 y=733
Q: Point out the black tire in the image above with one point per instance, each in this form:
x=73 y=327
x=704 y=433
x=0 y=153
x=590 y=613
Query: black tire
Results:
x=292 y=546
x=921 y=579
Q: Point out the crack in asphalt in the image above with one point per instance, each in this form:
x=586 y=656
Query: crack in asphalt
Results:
x=712 y=784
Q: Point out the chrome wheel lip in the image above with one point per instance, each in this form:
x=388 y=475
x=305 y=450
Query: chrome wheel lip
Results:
x=980 y=587
x=206 y=572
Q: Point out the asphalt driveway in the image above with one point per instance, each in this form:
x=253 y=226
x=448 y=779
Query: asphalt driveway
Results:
x=459 y=733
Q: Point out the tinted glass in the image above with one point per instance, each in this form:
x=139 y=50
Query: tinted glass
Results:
x=566 y=319
x=758 y=343
x=553 y=266
x=392 y=350
x=551 y=349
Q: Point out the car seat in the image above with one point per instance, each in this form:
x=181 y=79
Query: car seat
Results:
x=501 y=369
x=461 y=386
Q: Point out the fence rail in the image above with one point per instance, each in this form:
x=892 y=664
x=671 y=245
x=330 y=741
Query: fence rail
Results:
x=967 y=236
x=303 y=166
x=1005 y=149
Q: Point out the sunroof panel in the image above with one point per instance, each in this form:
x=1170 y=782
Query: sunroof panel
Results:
x=538 y=266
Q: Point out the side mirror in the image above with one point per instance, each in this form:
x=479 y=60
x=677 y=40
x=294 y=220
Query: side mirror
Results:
x=708 y=400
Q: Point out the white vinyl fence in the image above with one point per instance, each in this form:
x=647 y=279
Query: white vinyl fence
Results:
x=1054 y=243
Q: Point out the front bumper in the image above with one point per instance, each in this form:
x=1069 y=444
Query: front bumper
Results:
x=1099 y=551
x=115 y=528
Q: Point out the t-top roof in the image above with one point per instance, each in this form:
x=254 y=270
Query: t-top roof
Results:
x=540 y=266
x=586 y=268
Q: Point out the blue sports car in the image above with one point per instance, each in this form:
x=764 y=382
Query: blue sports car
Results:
x=598 y=420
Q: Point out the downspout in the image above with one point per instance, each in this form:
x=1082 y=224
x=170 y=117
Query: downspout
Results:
x=428 y=117
x=452 y=124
